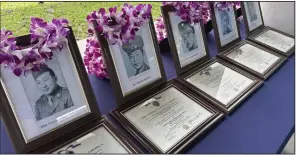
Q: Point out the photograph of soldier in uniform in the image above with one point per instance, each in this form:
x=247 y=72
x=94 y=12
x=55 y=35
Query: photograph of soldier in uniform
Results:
x=225 y=22
x=251 y=11
x=136 y=57
x=188 y=36
x=54 y=97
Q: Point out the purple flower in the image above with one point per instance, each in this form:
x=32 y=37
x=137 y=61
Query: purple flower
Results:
x=237 y=4
x=59 y=27
x=48 y=37
x=17 y=71
x=192 y=12
x=120 y=27
x=38 y=28
x=160 y=29
x=7 y=48
x=93 y=59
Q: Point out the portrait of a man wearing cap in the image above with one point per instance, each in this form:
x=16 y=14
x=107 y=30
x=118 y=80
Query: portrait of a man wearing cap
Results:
x=55 y=98
x=188 y=37
x=136 y=54
x=225 y=22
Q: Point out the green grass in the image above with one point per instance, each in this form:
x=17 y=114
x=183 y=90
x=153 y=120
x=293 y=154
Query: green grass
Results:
x=15 y=16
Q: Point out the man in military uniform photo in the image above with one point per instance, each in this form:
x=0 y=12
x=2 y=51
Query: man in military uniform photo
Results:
x=187 y=33
x=136 y=53
x=54 y=99
x=226 y=24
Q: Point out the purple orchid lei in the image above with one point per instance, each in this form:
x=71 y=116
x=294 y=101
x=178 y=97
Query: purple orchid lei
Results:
x=160 y=29
x=7 y=47
x=44 y=37
x=192 y=12
x=93 y=59
x=119 y=27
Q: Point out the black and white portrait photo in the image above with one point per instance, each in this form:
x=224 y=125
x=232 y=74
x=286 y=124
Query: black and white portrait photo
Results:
x=253 y=16
x=252 y=11
x=136 y=63
x=225 y=22
x=44 y=100
x=136 y=56
x=226 y=25
x=55 y=98
x=188 y=37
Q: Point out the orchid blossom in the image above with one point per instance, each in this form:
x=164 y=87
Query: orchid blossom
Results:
x=119 y=27
x=44 y=37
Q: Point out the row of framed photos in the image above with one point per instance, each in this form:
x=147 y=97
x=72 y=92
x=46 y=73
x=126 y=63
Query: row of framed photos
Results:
x=55 y=111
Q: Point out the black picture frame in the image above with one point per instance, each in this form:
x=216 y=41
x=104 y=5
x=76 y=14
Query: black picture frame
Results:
x=251 y=35
x=105 y=122
x=173 y=48
x=221 y=48
x=247 y=29
x=120 y=98
x=196 y=134
x=266 y=28
x=273 y=68
x=232 y=105
x=10 y=121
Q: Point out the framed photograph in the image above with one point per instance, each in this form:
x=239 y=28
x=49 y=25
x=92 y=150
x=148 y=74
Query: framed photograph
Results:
x=254 y=58
x=167 y=120
x=278 y=41
x=188 y=43
x=99 y=136
x=253 y=16
x=134 y=67
x=41 y=106
x=271 y=38
x=221 y=83
x=225 y=25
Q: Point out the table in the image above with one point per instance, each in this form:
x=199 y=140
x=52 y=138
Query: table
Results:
x=263 y=124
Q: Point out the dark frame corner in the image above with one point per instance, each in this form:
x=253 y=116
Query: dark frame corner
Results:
x=10 y=121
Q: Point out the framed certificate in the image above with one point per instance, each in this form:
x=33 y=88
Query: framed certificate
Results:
x=225 y=25
x=221 y=83
x=99 y=136
x=134 y=67
x=188 y=43
x=254 y=58
x=271 y=38
x=41 y=106
x=168 y=119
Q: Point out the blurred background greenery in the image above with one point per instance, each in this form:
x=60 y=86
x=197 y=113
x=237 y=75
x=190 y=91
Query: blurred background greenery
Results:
x=15 y=16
